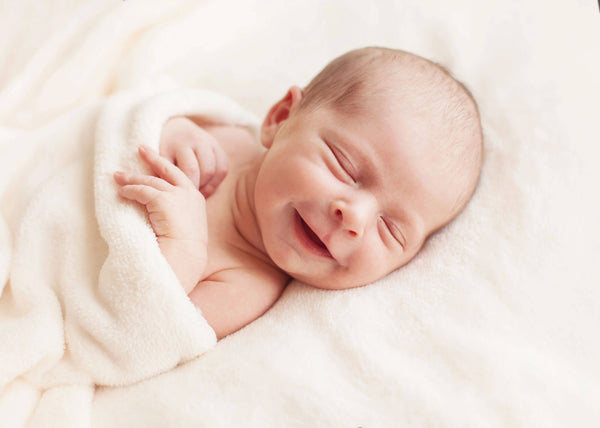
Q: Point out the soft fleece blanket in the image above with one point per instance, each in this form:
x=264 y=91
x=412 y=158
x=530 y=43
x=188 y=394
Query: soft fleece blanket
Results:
x=90 y=301
x=494 y=324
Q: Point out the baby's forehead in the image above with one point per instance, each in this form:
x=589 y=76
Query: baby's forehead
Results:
x=404 y=150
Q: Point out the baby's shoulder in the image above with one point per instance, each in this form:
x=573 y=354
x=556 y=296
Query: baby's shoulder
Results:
x=232 y=298
x=253 y=286
x=239 y=267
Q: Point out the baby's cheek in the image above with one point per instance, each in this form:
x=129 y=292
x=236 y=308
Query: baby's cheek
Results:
x=372 y=261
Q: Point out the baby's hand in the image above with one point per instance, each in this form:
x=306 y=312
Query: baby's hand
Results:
x=176 y=210
x=177 y=214
x=196 y=152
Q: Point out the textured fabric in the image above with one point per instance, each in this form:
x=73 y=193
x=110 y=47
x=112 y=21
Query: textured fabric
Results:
x=90 y=299
x=495 y=323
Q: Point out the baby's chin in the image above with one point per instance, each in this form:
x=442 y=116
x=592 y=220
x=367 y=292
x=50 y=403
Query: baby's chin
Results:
x=351 y=280
x=333 y=282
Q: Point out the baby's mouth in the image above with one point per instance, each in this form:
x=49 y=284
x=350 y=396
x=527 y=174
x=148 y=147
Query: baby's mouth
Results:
x=310 y=239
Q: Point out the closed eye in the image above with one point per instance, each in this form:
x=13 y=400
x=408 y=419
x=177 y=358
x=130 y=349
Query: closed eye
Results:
x=393 y=231
x=343 y=162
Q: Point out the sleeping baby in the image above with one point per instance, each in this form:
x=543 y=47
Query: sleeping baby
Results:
x=352 y=174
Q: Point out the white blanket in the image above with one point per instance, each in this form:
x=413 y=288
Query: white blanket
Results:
x=90 y=301
x=495 y=323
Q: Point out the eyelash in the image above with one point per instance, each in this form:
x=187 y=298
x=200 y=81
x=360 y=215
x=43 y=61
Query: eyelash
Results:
x=341 y=164
x=391 y=232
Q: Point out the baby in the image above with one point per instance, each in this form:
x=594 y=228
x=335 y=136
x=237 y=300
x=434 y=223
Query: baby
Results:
x=355 y=172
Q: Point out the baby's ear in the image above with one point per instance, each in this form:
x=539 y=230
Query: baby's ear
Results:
x=278 y=114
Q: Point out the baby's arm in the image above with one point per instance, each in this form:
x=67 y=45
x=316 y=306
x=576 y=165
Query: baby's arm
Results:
x=229 y=299
x=177 y=214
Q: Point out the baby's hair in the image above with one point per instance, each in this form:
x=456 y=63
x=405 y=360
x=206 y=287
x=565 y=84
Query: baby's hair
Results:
x=342 y=82
x=351 y=80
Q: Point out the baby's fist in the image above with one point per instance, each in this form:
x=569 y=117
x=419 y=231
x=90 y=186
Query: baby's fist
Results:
x=195 y=152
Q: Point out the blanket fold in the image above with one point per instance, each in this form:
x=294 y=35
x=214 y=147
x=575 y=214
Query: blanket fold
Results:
x=89 y=299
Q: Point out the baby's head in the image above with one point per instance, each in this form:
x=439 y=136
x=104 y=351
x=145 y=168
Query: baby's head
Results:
x=379 y=151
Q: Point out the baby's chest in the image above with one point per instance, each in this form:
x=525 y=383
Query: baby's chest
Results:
x=251 y=282
x=222 y=255
x=227 y=249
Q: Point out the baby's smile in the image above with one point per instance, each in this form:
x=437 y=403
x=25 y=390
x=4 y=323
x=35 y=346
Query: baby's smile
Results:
x=308 y=238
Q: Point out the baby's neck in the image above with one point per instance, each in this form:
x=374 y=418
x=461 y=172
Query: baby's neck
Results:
x=244 y=212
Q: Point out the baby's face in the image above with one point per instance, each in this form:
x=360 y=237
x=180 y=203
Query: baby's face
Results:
x=342 y=201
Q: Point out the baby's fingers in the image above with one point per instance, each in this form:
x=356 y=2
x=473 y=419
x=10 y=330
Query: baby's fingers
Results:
x=163 y=168
x=219 y=173
x=188 y=163
x=139 y=193
x=124 y=179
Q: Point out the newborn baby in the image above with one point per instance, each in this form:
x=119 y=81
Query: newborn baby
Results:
x=351 y=175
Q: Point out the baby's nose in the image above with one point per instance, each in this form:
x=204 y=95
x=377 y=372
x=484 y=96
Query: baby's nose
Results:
x=346 y=224
x=353 y=216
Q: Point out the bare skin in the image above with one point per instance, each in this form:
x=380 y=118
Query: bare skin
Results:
x=226 y=277
x=334 y=201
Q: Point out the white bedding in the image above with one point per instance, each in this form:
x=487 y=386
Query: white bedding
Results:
x=90 y=300
x=495 y=323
